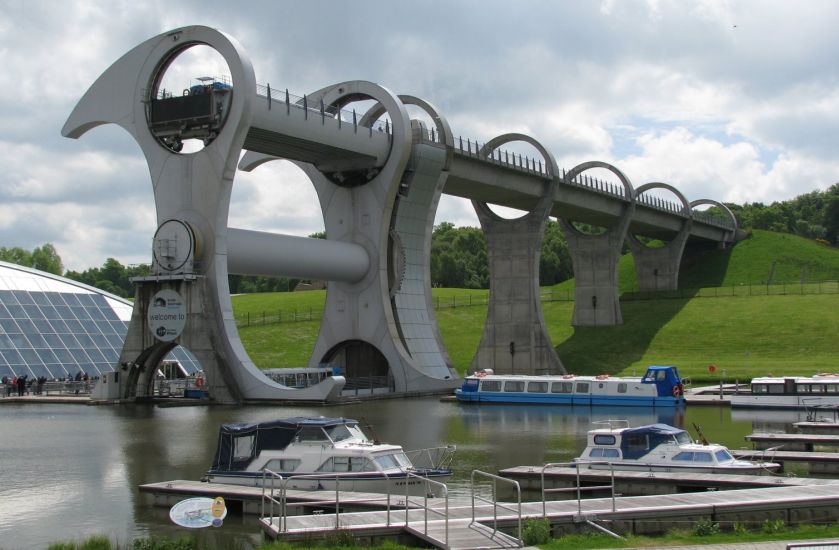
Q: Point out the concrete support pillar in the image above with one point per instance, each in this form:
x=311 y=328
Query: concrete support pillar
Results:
x=658 y=268
x=515 y=339
x=142 y=352
x=595 y=258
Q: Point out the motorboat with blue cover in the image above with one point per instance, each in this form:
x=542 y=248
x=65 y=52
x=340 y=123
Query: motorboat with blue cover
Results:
x=661 y=386
x=312 y=453
x=663 y=448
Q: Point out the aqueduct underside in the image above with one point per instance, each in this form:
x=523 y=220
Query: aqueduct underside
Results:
x=378 y=176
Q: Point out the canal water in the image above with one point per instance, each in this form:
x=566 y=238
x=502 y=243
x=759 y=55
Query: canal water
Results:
x=68 y=471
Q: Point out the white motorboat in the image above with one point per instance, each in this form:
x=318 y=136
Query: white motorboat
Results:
x=659 y=447
x=790 y=392
x=312 y=453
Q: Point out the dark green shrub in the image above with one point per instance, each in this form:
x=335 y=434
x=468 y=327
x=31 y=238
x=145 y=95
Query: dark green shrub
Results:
x=705 y=528
x=536 y=531
x=773 y=526
x=339 y=537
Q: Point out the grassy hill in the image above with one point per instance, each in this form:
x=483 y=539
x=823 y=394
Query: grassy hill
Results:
x=746 y=328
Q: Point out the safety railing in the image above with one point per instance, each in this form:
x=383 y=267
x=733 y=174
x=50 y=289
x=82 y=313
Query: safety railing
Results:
x=275 y=493
x=432 y=457
x=469 y=147
x=579 y=489
x=494 y=501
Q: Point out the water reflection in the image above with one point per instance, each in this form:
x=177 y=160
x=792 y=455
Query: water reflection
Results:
x=77 y=468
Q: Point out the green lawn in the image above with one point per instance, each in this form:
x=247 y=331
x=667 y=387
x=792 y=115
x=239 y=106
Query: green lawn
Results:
x=736 y=326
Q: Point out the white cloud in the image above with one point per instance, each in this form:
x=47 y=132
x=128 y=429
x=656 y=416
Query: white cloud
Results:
x=728 y=100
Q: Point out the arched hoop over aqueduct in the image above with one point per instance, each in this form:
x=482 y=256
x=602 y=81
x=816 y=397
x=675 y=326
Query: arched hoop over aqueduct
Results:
x=378 y=189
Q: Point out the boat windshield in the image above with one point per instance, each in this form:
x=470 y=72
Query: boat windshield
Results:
x=683 y=438
x=393 y=461
x=342 y=432
x=723 y=455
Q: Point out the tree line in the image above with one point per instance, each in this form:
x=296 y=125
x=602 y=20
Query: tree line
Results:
x=459 y=254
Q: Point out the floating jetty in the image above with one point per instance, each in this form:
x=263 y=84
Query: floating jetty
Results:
x=459 y=523
x=650 y=482
x=792 y=442
x=475 y=521
x=818 y=463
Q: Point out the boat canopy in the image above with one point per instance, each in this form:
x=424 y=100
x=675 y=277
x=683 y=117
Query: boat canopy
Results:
x=636 y=442
x=239 y=443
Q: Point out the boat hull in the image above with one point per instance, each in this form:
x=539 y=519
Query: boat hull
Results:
x=781 y=401
x=568 y=400
x=755 y=469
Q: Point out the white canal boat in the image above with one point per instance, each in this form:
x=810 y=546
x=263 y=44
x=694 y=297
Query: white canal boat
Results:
x=663 y=448
x=314 y=453
x=790 y=392
x=661 y=386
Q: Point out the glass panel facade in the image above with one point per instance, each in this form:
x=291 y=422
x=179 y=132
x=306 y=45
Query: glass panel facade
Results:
x=60 y=334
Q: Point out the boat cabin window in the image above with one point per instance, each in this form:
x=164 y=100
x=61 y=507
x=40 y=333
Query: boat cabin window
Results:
x=491 y=385
x=830 y=388
x=802 y=388
x=393 y=461
x=282 y=464
x=346 y=464
x=537 y=387
x=562 y=387
x=514 y=386
x=723 y=455
x=470 y=384
x=604 y=453
x=582 y=387
x=243 y=447
x=601 y=439
x=690 y=456
x=343 y=431
x=775 y=388
x=759 y=388
x=622 y=387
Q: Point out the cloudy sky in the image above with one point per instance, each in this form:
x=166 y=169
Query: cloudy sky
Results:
x=736 y=101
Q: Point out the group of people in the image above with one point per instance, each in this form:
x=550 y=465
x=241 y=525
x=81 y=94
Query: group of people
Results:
x=23 y=385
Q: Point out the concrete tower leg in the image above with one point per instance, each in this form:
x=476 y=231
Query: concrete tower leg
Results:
x=192 y=198
x=515 y=339
x=658 y=268
x=385 y=320
x=595 y=259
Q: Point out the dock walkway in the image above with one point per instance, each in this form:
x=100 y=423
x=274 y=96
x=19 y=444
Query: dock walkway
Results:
x=792 y=442
x=640 y=515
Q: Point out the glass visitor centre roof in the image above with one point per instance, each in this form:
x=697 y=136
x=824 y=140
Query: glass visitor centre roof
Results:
x=54 y=327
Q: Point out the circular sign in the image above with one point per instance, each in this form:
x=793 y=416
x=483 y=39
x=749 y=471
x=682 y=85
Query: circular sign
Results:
x=199 y=512
x=166 y=315
x=712 y=368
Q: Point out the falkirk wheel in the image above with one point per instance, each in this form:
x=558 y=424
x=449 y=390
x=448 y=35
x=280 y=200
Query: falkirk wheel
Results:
x=378 y=185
